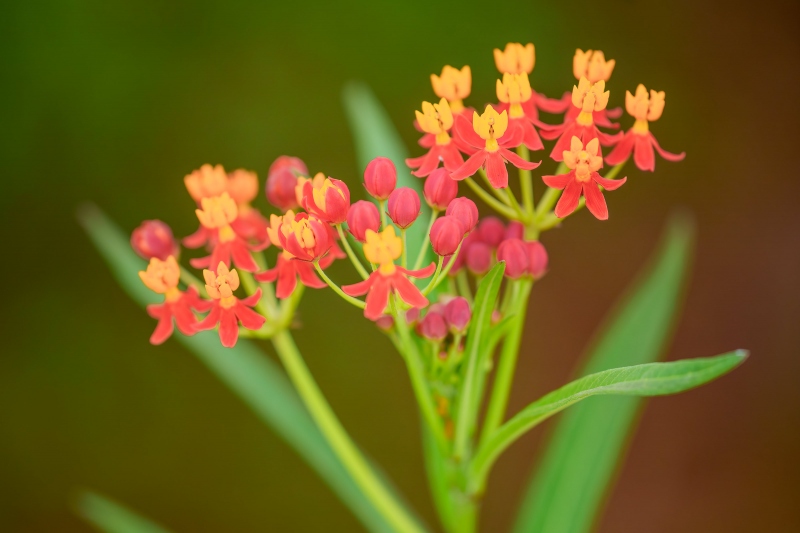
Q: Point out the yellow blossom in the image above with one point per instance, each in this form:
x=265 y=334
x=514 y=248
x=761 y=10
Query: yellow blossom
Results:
x=436 y=119
x=490 y=126
x=454 y=85
x=162 y=276
x=592 y=65
x=515 y=59
x=383 y=249
x=514 y=89
x=582 y=160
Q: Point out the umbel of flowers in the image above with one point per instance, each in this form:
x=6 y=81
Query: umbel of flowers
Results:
x=256 y=266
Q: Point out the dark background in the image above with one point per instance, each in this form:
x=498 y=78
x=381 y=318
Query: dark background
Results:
x=114 y=102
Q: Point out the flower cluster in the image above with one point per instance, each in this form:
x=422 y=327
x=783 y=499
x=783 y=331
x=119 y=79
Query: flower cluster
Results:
x=315 y=222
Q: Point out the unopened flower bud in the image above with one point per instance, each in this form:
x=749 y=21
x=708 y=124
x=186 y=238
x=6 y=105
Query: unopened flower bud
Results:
x=537 y=259
x=457 y=314
x=380 y=178
x=446 y=234
x=363 y=215
x=515 y=254
x=412 y=315
x=385 y=322
x=403 y=206
x=433 y=326
x=491 y=231
x=515 y=230
x=154 y=239
x=465 y=210
x=440 y=189
x=295 y=164
x=479 y=258
x=280 y=188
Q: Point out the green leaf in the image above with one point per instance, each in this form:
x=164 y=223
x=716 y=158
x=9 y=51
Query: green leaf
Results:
x=375 y=135
x=652 y=379
x=479 y=330
x=110 y=517
x=258 y=381
x=589 y=441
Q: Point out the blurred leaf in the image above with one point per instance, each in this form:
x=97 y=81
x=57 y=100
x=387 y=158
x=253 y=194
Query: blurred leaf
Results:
x=589 y=441
x=375 y=135
x=652 y=379
x=479 y=330
x=110 y=517
x=248 y=372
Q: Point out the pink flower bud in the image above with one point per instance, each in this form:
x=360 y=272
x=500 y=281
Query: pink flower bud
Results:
x=280 y=188
x=446 y=234
x=403 y=206
x=457 y=314
x=460 y=259
x=479 y=258
x=327 y=198
x=465 y=210
x=515 y=254
x=385 y=322
x=515 y=230
x=380 y=178
x=440 y=189
x=537 y=259
x=294 y=164
x=412 y=315
x=363 y=215
x=154 y=239
x=491 y=231
x=433 y=326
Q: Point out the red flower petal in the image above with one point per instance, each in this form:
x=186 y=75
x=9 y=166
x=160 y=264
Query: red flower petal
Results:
x=569 y=199
x=408 y=292
x=251 y=300
x=308 y=276
x=496 y=170
x=622 y=150
x=421 y=273
x=228 y=327
x=609 y=185
x=463 y=128
x=517 y=161
x=470 y=166
x=663 y=153
x=377 y=298
x=362 y=287
x=643 y=154
x=249 y=318
x=560 y=181
x=595 y=202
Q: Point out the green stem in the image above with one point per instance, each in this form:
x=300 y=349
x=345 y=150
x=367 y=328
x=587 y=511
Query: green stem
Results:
x=416 y=372
x=355 y=301
x=506 y=196
x=404 y=260
x=382 y=209
x=490 y=201
x=504 y=377
x=432 y=283
x=250 y=286
x=425 y=241
x=463 y=286
x=526 y=180
x=266 y=288
x=340 y=442
x=349 y=251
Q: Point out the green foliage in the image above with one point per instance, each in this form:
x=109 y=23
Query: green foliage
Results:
x=110 y=517
x=255 y=378
x=652 y=379
x=589 y=441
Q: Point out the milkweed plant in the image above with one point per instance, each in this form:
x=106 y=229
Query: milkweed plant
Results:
x=447 y=284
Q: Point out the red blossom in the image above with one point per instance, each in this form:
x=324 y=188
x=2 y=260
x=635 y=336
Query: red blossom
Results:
x=379 y=285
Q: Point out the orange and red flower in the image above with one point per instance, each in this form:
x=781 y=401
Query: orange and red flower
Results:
x=582 y=180
x=645 y=109
x=383 y=249
x=436 y=120
x=516 y=96
x=453 y=85
x=491 y=138
x=327 y=198
x=588 y=98
x=178 y=307
x=224 y=233
x=226 y=309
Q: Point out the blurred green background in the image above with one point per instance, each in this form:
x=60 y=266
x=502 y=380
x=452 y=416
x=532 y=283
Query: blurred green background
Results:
x=115 y=102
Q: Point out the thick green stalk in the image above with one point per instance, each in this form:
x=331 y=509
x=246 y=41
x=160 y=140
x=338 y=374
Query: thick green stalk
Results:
x=504 y=376
x=344 y=448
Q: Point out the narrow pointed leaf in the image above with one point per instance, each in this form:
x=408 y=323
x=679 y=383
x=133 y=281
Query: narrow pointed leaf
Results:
x=589 y=441
x=477 y=335
x=109 y=516
x=258 y=381
x=375 y=136
x=652 y=379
